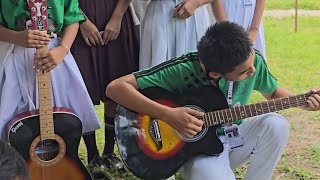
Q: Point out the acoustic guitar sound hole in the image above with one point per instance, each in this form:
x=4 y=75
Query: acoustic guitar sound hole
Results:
x=47 y=150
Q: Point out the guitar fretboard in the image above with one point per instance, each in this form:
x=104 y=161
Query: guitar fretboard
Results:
x=45 y=106
x=241 y=112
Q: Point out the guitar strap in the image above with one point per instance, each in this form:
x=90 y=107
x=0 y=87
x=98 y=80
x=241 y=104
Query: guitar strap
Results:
x=229 y=97
x=231 y=131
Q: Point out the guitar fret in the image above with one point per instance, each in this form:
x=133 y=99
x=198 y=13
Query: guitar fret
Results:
x=255 y=107
x=206 y=120
x=216 y=120
x=46 y=124
x=235 y=112
x=230 y=119
x=281 y=102
x=224 y=116
x=222 y=119
x=46 y=127
x=268 y=106
x=250 y=110
x=289 y=101
x=211 y=119
x=219 y=117
x=275 y=106
x=297 y=99
x=261 y=108
x=211 y=116
x=239 y=111
x=227 y=117
x=244 y=111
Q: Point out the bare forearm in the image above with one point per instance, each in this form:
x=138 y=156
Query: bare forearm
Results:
x=258 y=13
x=69 y=34
x=218 y=11
x=120 y=9
x=203 y=2
x=8 y=35
x=128 y=96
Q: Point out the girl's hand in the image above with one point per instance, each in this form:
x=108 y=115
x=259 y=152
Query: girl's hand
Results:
x=185 y=9
x=33 y=39
x=112 y=30
x=46 y=61
x=91 y=34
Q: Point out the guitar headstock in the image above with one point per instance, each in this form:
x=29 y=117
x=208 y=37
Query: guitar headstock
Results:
x=38 y=14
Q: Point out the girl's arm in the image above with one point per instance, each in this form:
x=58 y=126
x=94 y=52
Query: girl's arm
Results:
x=68 y=35
x=218 y=11
x=26 y=38
x=113 y=27
x=186 y=8
x=46 y=61
x=90 y=32
x=258 y=13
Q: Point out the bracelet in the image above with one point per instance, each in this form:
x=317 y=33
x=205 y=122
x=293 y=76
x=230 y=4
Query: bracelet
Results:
x=65 y=46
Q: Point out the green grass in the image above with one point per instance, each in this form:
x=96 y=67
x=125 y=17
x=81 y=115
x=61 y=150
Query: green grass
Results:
x=315 y=152
x=294 y=59
x=290 y=4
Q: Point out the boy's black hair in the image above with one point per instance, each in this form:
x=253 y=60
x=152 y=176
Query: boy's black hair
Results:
x=224 y=46
x=12 y=165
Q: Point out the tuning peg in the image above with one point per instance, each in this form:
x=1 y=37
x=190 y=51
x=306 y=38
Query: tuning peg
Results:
x=49 y=16
x=49 y=7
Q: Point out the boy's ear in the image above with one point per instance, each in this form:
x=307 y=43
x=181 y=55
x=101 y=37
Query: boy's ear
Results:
x=214 y=75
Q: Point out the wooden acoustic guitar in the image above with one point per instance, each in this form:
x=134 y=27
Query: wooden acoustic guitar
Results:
x=151 y=149
x=48 y=138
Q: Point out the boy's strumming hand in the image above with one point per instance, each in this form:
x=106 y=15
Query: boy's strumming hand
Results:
x=184 y=120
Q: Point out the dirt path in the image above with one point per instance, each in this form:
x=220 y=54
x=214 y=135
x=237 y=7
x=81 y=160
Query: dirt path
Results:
x=291 y=12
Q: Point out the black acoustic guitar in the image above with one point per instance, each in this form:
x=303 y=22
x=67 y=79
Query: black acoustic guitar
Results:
x=48 y=139
x=151 y=149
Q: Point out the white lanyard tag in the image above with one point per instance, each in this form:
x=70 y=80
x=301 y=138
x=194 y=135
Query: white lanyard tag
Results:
x=231 y=131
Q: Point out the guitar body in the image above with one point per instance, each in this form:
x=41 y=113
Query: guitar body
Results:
x=49 y=159
x=151 y=149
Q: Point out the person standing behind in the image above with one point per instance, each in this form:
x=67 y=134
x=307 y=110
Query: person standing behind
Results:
x=171 y=28
x=20 y=62
x=105 y=48
x=246 y=13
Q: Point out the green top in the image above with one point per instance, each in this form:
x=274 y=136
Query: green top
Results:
x=15 y=13
x=184 y=72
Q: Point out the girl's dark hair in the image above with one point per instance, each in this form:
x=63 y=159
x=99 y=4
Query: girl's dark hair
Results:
x=12 y=165
x=224 y=46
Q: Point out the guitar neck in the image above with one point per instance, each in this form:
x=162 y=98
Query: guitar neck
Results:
x=45 y=106
x=242 y=112
x=39 y=21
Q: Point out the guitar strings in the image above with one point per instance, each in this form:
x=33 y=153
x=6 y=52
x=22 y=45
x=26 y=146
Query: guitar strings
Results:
x=212 y=118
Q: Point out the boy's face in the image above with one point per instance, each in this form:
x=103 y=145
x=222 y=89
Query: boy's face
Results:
x=242 y=71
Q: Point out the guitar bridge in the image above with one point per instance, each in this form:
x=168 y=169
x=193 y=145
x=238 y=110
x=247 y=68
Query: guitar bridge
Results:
x=155 y=133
